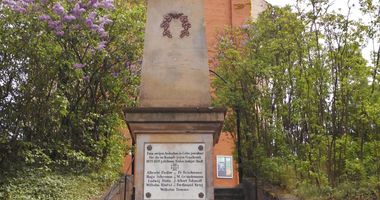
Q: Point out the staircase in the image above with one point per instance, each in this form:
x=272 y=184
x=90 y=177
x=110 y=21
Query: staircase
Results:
x=229 y=193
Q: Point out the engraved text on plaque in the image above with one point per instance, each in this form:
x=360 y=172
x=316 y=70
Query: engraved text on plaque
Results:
x=174 y=171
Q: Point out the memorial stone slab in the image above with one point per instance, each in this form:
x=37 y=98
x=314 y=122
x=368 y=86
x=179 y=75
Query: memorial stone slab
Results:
x=175 y=65
x=174 y=171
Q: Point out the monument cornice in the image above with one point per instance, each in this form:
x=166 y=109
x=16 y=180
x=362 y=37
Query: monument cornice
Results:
x=180 y=120
x=175 y=109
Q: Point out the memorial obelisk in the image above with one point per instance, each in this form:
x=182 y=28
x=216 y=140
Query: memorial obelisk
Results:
x=174 y=128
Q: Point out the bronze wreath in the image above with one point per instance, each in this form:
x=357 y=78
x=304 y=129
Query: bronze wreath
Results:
x=166 y=24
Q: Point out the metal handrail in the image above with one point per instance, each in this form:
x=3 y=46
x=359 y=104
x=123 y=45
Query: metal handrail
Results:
x=123 y=178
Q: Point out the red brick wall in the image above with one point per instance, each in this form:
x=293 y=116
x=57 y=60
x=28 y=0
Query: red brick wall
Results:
x=218 y=15
x=127 y=163
x=225 y=147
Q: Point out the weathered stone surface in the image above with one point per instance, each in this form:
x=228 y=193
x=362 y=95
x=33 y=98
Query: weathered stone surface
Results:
x=175 y=120
x=258 y=6
x=205 y=139
x=175 y=70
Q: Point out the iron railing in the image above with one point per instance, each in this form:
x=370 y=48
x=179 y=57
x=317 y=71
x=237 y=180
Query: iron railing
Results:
x=122 y=189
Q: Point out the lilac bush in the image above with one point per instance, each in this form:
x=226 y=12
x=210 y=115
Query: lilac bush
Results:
x=67 y=18
x=65 y=76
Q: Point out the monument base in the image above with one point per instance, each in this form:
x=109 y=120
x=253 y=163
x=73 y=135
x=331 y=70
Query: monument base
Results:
x=174 y=149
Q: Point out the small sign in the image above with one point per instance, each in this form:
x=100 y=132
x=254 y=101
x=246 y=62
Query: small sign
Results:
x=224 y=167
x=174 y=171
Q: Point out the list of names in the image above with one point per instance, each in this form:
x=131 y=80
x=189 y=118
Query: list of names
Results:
x=174 y=171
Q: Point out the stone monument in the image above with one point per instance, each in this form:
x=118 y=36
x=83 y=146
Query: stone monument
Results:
x=174 y=128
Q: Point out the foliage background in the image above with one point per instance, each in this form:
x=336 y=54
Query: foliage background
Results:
x=308 y=100
x=62 y=92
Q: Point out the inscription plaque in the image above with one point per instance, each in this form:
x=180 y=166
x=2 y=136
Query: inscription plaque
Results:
x=174 y=171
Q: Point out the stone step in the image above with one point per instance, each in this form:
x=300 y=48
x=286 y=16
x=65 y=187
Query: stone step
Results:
x=229 y=193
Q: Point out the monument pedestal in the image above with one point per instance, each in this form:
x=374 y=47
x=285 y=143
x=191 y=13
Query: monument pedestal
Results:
x=174 y=149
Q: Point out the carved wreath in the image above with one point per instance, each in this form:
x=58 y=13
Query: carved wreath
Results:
x=166 y=24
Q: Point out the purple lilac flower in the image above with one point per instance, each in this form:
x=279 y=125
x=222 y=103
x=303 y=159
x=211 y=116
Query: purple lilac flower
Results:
x=17 y=6
x=89 y=22
x=76 y=27
x=78 y=65
x=93 y=3
x=58 y=30
x=92 y=16
x=24 y=3
x=19 y=9
x=53 y=24
x=59 y=33
x=78 y=10
x=94 y=27
x=103 y=34
x=104 y=20
x=44 y=17
x=44 y=1
x=101 y=31
x=90 y=19
x=56 y=26
x=86 y=78
x=107 y=4
x=10 y=3
x=69 y=18
x=101 y=45
x=58 y=9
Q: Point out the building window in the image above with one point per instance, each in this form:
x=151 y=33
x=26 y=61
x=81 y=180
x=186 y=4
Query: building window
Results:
x=224 y=167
